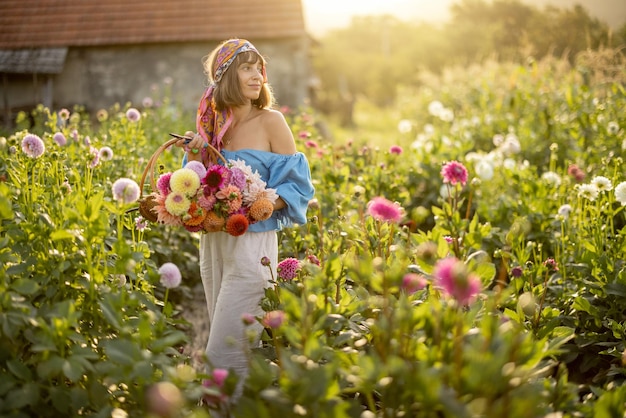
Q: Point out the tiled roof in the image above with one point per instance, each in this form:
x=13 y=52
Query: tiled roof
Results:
x=62 y=23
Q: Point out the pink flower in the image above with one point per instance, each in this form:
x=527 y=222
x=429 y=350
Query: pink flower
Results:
x=412 y=282
x=454 y=172
x=273 y=319
x=105 y=153
x=304 y=134
x=33 y=146
x=313 y=259
x=163 y=183
x=218 y=377
x=265 y=261
x=455 y=281
x=60 y=139
x=125 y=190
x=551 y=264
x=384 y=210
x=396 y=149
x=288 y=268
x=248 y=319
x=216 y=177
x=197 y=167
x=310 y=144
x=133 y=115
x=170 y=275
x=64 y=114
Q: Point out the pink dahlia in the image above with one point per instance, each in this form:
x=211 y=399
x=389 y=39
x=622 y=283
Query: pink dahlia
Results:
x=163 y=183
x=384 y=210
x=452 y=277
x=33 y=146
x=454 y=172
x=288 y=268
x=216 y=177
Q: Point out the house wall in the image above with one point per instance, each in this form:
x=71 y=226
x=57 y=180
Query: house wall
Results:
x=99 y=77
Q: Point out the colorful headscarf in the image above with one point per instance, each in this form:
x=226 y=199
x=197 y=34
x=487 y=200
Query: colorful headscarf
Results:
x=210 y=123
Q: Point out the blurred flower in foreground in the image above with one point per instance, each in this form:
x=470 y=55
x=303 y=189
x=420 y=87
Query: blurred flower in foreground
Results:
x=288 y=268
x=33 y=146
x=125 y=190
x=384 y=210
x=412 y=282
x=620 y=193
x=164 y=399
x=456 y=281
x=170 y=275
x=454 y=172
x=273 y=319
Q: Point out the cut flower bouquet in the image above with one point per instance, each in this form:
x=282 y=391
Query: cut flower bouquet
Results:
x=226 y=197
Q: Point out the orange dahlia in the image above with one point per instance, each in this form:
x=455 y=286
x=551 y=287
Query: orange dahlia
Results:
x=261 y=209
x=196 y=213
x=213 y=222
x=237 y=224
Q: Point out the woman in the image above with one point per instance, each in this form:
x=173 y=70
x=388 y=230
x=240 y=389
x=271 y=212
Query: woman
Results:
x=235 y=116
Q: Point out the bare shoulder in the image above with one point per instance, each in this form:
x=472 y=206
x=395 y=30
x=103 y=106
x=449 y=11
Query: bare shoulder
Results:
x=278 y=132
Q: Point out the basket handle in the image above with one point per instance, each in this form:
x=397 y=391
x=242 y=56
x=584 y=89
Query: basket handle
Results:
x=153 y=159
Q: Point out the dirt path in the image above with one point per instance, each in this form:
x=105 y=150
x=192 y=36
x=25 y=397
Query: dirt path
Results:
x=194 y=311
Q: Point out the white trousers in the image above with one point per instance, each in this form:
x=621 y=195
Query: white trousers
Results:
x=234 y=282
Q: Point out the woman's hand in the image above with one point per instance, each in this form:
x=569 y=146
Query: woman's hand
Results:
x=193 y=147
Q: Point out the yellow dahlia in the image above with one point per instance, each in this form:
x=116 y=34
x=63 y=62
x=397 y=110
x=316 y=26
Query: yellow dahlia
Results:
x=185 y=181
x=177 y=203
x=261 y=209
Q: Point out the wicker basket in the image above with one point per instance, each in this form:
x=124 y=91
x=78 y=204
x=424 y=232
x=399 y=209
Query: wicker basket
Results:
x=146 y=203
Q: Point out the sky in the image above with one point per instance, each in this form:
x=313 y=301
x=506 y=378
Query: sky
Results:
x=322 y=15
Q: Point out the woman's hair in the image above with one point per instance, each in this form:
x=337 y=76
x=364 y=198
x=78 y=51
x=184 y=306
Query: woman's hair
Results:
x=228 y=90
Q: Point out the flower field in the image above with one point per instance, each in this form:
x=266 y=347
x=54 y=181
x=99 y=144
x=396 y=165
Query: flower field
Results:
x=464 y=257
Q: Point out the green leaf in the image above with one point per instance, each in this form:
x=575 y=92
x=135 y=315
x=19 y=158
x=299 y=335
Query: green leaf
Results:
x=121 y=351
x=19 y=369
x=25 y=287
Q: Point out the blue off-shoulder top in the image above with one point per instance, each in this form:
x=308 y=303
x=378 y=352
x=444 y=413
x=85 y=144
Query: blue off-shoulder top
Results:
x=289 y=174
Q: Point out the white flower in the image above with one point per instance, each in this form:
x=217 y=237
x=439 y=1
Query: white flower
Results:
x=564 y=211
x=620 y=193
x=446 y=115
x=588 y=191
x=498 y=139
x=484 y=169
x=435 y=108
x=510 y=145
x=405 y=126
x=551 y=178
x=509 y=163
x=613 y=127
x=602 y=183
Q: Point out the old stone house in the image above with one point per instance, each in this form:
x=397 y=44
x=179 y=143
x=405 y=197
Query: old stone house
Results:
x=97 y=53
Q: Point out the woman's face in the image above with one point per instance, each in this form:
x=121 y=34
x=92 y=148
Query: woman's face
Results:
x=250 y=79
